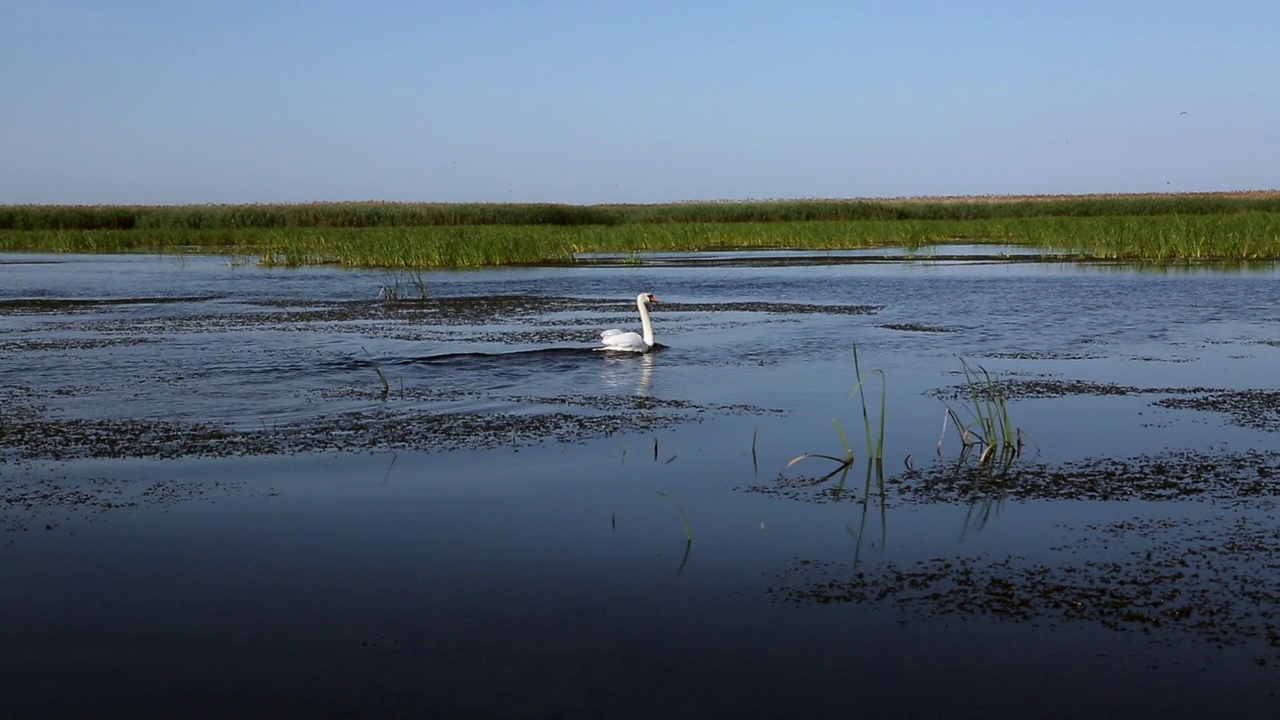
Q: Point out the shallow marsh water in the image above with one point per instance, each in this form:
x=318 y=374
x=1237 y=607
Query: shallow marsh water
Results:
x=212 y=505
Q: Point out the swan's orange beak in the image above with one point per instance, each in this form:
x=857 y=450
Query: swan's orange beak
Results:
x=652 y=299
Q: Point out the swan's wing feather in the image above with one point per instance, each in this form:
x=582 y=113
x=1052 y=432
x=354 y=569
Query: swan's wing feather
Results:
x=627 y=341
x=620 y=338
x=610 y=333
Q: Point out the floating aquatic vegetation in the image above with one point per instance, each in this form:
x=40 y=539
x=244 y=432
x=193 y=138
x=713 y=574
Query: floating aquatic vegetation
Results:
x=1213 y=578
x=915 y=327
x=1257 y=409
x=1222 y=477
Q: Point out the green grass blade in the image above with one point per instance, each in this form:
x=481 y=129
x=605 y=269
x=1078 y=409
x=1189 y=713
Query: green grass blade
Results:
x=688 y=529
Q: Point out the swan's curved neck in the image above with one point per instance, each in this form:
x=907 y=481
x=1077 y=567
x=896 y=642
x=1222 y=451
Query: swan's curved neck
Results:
x=644 y=321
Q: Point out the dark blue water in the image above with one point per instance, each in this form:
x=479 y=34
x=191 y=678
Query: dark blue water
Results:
x=632 y=571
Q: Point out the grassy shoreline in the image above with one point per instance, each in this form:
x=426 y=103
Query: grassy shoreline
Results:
x=389 y=214
x=1217 y=226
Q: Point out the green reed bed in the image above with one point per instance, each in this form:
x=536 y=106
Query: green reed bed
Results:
x=310 y=215
x=1237 y=236
x=952 y=209
x=1244 y=236
x=464 y=246
x=386 y=214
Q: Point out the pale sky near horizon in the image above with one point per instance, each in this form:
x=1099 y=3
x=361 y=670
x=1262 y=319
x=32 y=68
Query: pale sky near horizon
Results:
x=178 y=102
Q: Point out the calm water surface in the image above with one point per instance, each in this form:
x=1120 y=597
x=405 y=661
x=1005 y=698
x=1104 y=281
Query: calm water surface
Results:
x=549 y=571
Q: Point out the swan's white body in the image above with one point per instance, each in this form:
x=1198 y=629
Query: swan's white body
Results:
x=621 y=341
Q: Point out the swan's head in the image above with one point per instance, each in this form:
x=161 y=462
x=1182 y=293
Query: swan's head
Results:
x=647 y=299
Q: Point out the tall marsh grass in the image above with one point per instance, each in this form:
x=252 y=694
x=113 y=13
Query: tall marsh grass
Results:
x=387 y=214
x=1238 y=235
x=309 y=215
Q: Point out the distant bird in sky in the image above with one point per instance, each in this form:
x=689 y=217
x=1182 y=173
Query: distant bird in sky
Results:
x=1184 y=112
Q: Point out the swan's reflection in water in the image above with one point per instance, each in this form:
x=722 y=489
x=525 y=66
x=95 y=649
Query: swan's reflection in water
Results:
x=632 y=373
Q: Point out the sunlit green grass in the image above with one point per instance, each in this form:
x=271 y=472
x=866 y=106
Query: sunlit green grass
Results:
x=1234 y=236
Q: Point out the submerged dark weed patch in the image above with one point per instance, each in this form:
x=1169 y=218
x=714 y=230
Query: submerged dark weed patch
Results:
x=1180 y=475
x=66 y=439
x=780 y=308
x=1257 y=409
x=844 y=485
x=62 y=306
x=65 y=344
x=914 y=327
x=1222 y=477
x=31 y=435
x=1040 y=355
x=1025 y=389
x=31 y=503
x=1216 y=579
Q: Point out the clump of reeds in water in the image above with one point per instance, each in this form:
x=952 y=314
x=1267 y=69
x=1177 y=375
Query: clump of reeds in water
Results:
x=874 y=440
x=988 y=429
x=411 y=287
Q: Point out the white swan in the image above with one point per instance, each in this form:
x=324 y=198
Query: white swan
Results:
x=630 y=341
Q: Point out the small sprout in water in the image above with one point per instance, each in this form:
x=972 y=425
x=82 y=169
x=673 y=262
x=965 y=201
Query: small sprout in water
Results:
x=755 y=466
x=386 y=386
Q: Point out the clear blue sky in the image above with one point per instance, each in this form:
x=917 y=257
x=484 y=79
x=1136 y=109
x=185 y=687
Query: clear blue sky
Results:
x=588 y=101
